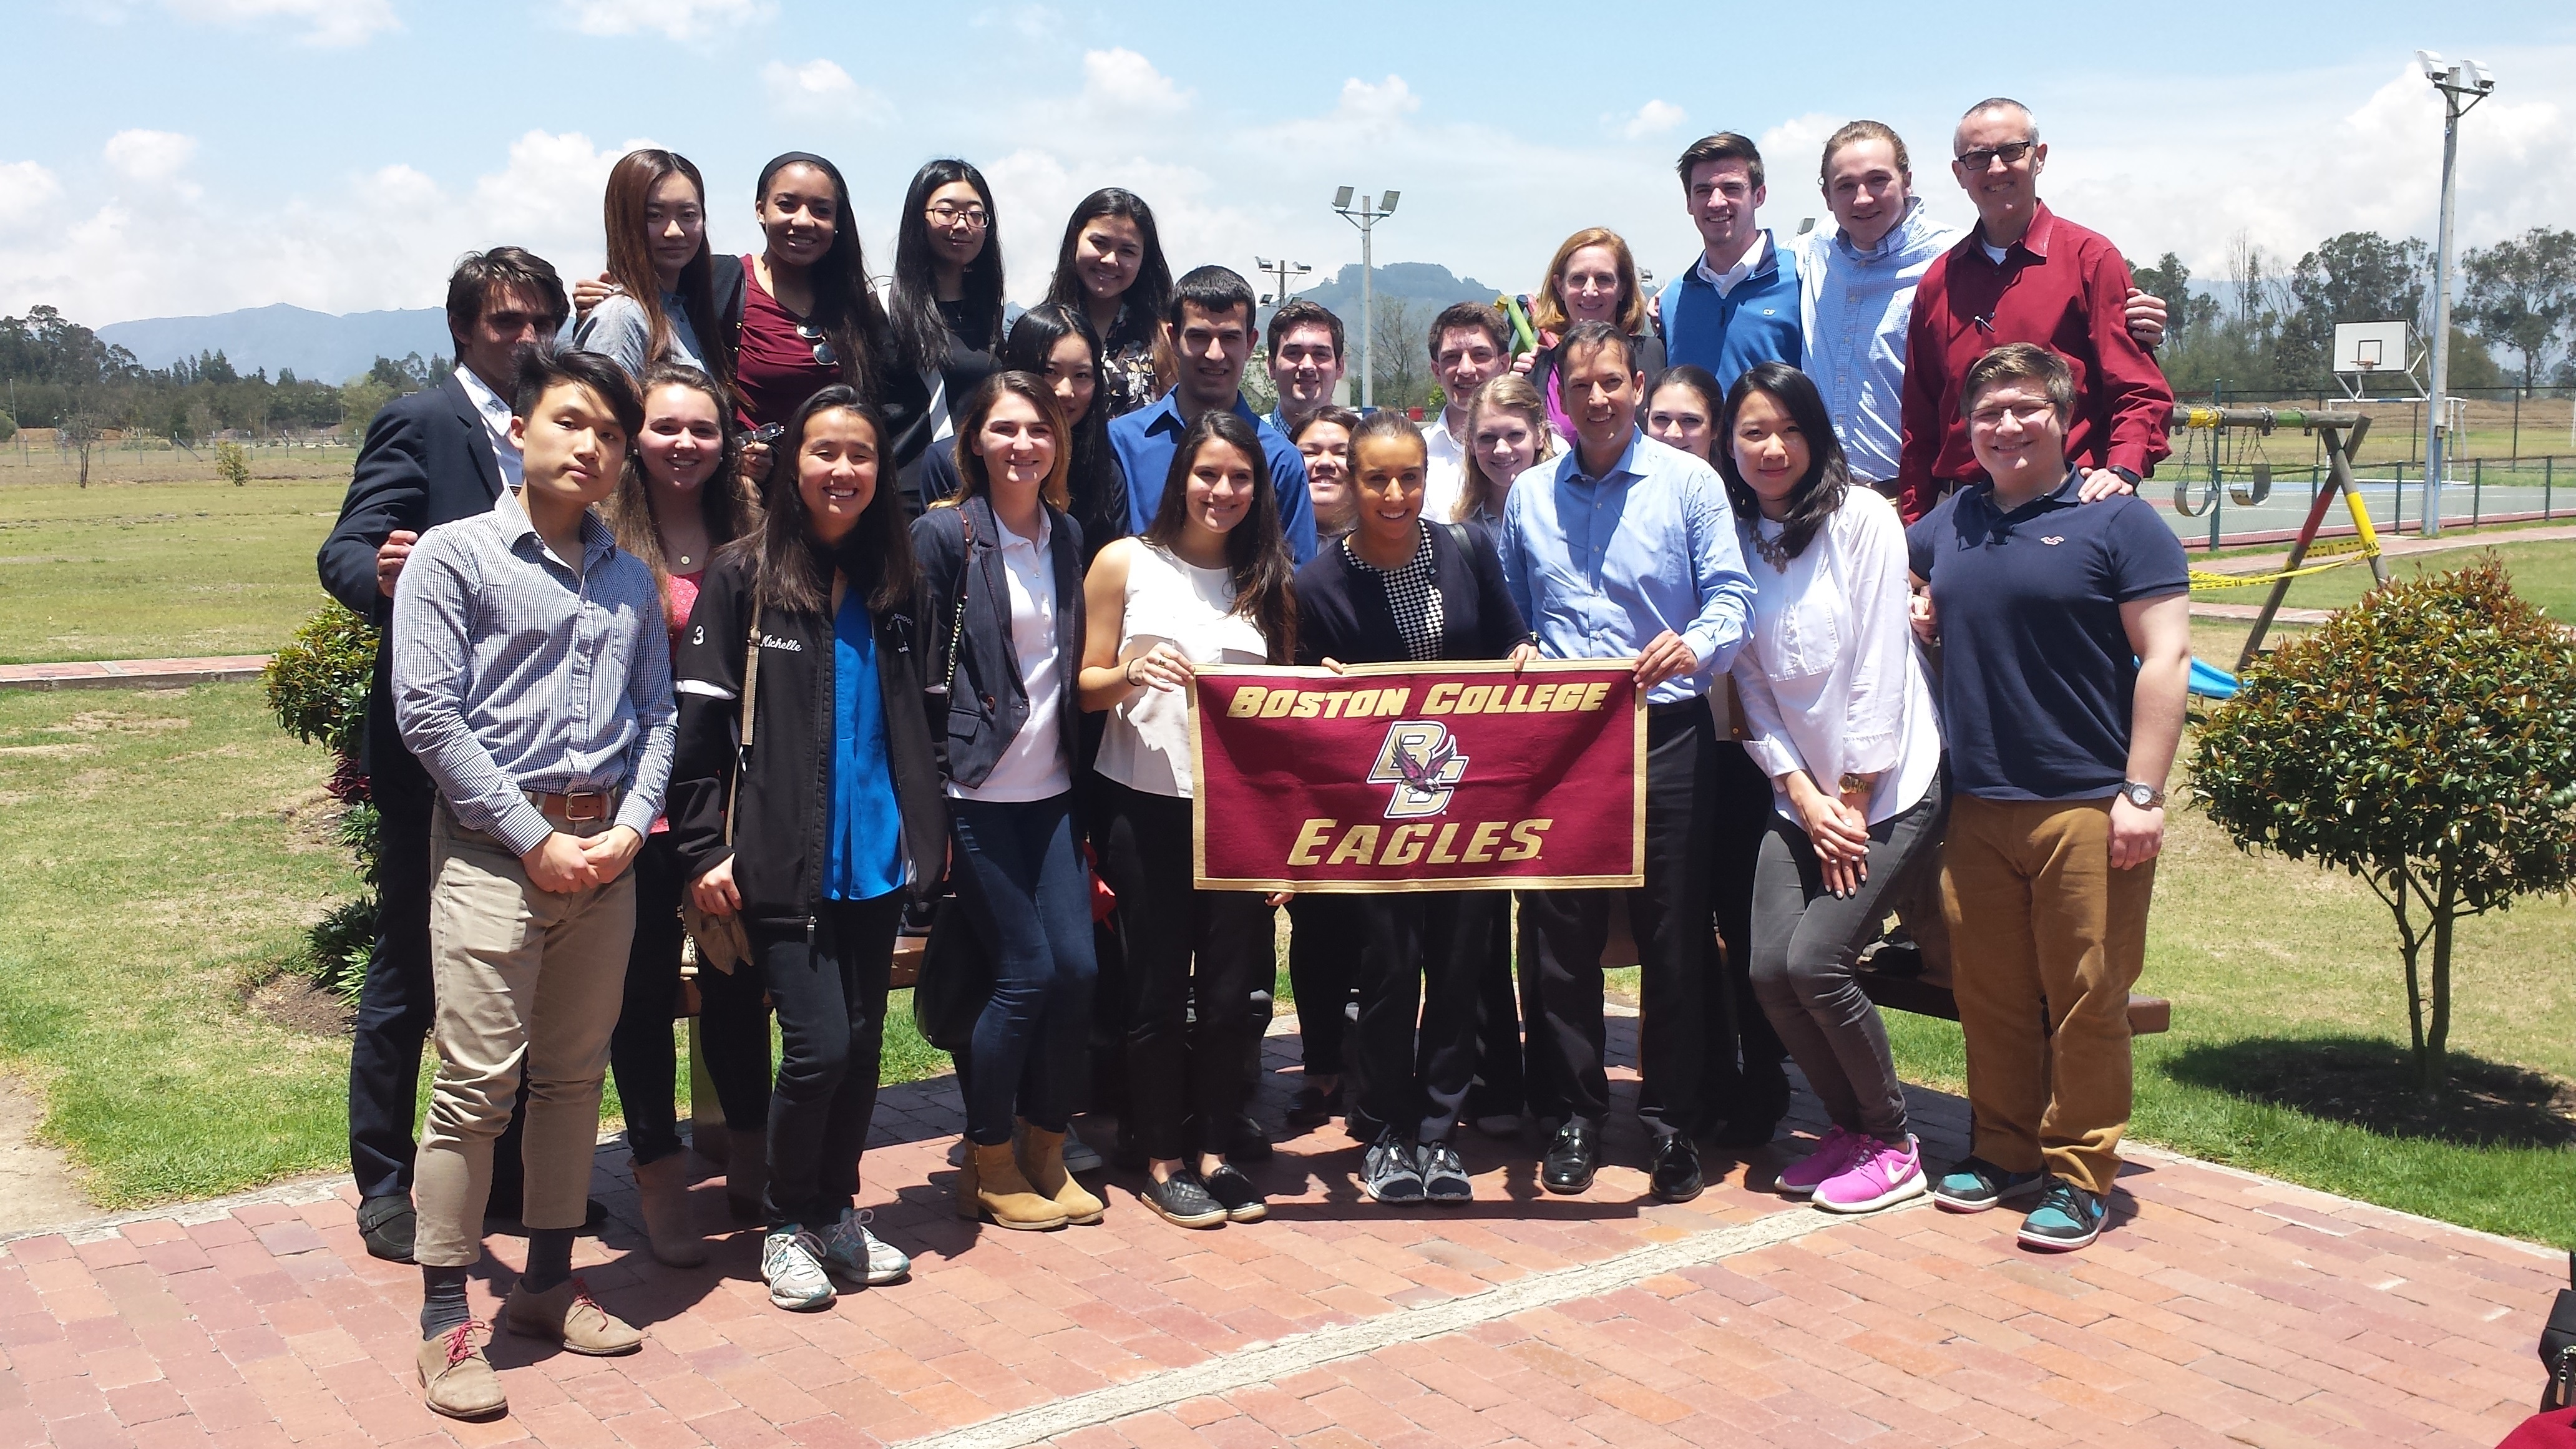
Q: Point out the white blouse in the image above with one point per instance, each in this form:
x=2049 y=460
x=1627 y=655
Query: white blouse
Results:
x=1032 y=767
x=1146 y=744
x=1829 y=676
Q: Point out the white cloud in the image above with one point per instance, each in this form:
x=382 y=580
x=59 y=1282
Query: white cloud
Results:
x=1121 y=82
x=27 y=191
x=1654 y=118
x=327 y=22
x=149 y=156
x=676 y=19
x=819 y=90
x=1028 y=22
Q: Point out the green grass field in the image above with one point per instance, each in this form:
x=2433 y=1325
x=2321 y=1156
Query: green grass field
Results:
x=2543 y=571
x=162 y=569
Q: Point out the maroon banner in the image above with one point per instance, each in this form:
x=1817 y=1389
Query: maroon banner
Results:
x=1402 y=777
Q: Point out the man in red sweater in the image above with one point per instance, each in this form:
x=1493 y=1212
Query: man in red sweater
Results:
x=2024 y=274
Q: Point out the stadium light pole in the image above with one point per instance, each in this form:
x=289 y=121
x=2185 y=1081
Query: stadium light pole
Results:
x=1282 y=269
x=1366 y=215
x=2463 y=84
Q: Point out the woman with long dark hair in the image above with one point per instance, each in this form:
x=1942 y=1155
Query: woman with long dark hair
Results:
x=1002 y=561
x=682 y=498
x=664 y=307
x=946 y=303
x=808 y=317
x=1209 y=582
x=1111 y=266
x=1392 y=590
x=836 y=814
x=1841 y=721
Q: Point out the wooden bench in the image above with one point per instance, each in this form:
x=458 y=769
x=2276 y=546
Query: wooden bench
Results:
x=2148 y=1015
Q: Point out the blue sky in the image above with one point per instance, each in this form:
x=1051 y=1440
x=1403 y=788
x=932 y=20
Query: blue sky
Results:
x=182 y=156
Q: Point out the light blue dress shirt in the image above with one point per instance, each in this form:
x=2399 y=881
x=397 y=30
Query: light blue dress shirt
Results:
x=1600 y=566
x=1855 y=306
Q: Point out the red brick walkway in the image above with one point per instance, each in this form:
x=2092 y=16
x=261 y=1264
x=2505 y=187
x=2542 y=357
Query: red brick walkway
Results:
x=2221 y=1309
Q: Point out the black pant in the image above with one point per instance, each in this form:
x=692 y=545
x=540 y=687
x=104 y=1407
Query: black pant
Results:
x=1181 y=943
x=829 y=985
x=733 y=1022
x=1422 y=953
x=1504 y=1071
x=1563 y=933
x=1323 y=969
x=1744 y=1085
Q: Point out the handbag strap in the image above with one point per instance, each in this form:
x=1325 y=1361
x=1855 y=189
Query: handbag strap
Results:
x=957 y=626
x=750 y=716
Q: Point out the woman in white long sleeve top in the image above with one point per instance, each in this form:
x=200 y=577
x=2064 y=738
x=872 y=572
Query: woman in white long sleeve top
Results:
x=1842 y=722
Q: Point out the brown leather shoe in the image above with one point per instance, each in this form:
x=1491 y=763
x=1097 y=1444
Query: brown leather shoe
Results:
x=1041 y=1157
x=456 y=1379
x=568 y=1315
x=1002 y=1196
x=662 y=1192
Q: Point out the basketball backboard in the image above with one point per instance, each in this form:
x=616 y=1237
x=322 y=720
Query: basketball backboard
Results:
x=2367 y=350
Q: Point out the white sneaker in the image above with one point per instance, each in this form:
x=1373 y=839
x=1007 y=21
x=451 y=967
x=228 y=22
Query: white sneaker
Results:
x=851 y=1251
x=791 y=1263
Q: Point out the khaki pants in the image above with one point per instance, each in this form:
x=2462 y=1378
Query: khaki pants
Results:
x=528 y=984
x=2051 y=939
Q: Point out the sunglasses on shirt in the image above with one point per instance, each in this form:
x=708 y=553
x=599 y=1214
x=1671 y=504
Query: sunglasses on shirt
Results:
x=824 y=356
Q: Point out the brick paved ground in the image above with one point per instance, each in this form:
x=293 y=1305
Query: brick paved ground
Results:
x=2221 y=1309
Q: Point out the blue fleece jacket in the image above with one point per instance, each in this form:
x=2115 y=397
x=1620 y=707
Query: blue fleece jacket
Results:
x=1757 y=322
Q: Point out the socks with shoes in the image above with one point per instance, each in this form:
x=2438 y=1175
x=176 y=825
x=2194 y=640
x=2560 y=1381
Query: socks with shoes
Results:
x=549 y=1259
x=442 y=1300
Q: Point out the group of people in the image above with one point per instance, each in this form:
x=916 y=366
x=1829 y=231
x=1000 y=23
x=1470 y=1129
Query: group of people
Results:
x=746 y=601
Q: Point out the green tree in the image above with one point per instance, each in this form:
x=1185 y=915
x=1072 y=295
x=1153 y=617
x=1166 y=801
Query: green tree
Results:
x=2359 y=276
x=2423 y=740
x=2521 y=294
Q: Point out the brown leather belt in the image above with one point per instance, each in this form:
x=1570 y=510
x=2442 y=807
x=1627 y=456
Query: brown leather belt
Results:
x=577 y=807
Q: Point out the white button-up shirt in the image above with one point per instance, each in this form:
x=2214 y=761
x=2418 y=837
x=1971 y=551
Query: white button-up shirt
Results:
x=1444 y=471
x=1032 y=768
x=495 y=412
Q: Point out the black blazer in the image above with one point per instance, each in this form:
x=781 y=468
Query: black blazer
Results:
x=785 y=797
x=427 y=460
x=1099 y=501
x=1342 y=612
x=988 y=701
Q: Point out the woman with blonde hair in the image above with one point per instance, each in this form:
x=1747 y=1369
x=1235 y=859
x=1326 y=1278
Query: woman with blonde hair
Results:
x=1507 y=432
x=1592 y=278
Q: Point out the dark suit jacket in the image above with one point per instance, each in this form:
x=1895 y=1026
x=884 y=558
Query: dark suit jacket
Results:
x=427 y=461
x=988 y=701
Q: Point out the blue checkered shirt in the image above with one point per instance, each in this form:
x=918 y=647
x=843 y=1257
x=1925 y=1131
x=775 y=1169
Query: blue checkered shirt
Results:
x=517 y=672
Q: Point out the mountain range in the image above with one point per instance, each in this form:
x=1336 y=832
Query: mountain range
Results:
x=316 y=345
x=331 y=348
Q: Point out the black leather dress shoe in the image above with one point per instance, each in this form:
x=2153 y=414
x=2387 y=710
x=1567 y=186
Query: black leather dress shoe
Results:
x=1572 y=1159
x=387 y=1226
x=1676 y=1176
x=1250 y=1141
x=1312 y=1107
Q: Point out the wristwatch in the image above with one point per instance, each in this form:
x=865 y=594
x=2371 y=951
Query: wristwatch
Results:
x=2141 y=794
x=1857 y=784
x=2128 y=474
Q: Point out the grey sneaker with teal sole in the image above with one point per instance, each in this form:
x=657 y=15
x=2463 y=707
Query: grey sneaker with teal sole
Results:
x=1444 y=1176
x=1976 y=1185
x=2067 y=1218
x=791 y=1263
x=853 y=1254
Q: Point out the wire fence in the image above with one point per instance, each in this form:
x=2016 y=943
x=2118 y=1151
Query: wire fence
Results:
x=2479 y=490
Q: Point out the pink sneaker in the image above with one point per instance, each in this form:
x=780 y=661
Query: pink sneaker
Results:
x=1879 y=1176
x=1832 y=1157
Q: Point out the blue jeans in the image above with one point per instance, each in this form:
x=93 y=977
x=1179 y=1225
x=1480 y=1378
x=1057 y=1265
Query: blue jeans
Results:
x=1020 y=876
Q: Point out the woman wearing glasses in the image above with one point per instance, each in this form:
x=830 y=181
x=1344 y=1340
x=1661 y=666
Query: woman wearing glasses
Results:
x=809 y=319
x=946 y=304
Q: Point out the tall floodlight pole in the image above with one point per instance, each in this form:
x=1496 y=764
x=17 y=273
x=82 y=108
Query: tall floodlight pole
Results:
x=1282 y=269
x=2463 y=84
x=1366 y=215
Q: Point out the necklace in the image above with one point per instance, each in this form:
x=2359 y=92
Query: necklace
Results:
x=1774 y=551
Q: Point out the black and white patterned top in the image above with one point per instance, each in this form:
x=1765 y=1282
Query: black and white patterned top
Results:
x=1410 y=595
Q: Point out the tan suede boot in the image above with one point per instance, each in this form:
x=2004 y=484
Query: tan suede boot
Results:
x=456 y=1379
x=662 y=1192
x=1041 y=1157
x=568 y=1315
x=747 y=1174
x=1002 y=1196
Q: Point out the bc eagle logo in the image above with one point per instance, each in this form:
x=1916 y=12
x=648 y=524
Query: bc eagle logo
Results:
x=1423 y=764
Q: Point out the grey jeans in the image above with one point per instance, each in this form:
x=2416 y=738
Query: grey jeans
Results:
x=1804 y=943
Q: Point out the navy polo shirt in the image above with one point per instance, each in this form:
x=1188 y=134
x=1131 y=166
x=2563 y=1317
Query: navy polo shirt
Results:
x=1147 y=439
x=2037 y=675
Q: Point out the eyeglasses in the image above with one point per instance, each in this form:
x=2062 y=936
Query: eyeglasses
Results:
x=1983 y=157
x=2027 y=414
x=824 y=356
x=949 y=214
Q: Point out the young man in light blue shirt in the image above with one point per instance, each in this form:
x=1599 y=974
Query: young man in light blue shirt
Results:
x=1626 y=548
